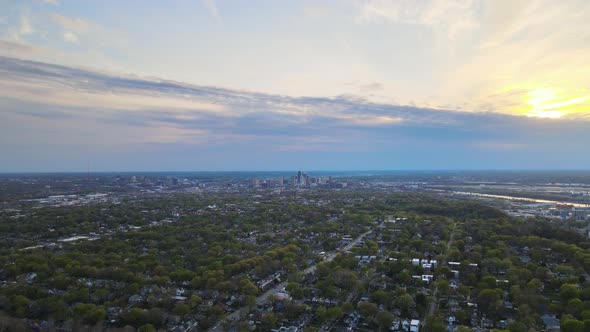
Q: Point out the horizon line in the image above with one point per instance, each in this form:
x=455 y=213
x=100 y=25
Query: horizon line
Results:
x=311 y=170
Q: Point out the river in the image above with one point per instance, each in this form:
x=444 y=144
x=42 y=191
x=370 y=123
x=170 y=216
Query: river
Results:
x=516 y=198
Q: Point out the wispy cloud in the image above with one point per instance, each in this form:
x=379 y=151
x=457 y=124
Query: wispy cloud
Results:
x=73 y=27
x=74 y=24
x=13 y=48
x=25 y=27
x=519 y=52
x=450 y=16
x=70 y=37
x=211 y=8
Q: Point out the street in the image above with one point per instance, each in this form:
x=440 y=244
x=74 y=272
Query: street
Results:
x=434 y=305
x=264 y=297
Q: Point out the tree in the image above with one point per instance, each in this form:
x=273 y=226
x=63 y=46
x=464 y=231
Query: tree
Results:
x=321 y=314
x=250 y=301
x=195 y=300
x=572 y=325
x=367 y=309
x=489 y=281
x=380 y=297
x=135 y=316
x=247 y=287
x=535 y=285
x=464 y=290
x=517 y=327
x=487 y=300
x=20 y=305
x=81 y=309
x=154 y=316
x=181 y=309
x=268 y=321
x=404 y=302
x=462 y=316
x=147 y=328
x=434 y=325
x=347 y=308
x=295 y=290
x=95 y=315
x=385 y=319
x=575 y=307
x=445 y=271
x=421 y=303
x=443 y=286
x=542 y=273
x=334 y=313
x=323 y=270
x=292 y=310
x=345 y=279
x=568 y=292
x=404 y=277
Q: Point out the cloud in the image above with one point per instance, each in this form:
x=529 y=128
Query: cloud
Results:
x=18 y=29
x=212 y=9
x=76 y=30
x=70 y=37
x=451 y=16
x=95 y=38
x=41 y=103
x=74 y=24
x=25 y=27
x=17 y=49
x=477 y=55
x=494 y=55
x=372 y=87
x=180 y=111
x=51 y=2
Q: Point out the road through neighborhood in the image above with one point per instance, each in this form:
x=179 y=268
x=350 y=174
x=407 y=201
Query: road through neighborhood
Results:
x=264 y=297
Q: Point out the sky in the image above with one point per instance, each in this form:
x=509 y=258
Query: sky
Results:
x=286 y=85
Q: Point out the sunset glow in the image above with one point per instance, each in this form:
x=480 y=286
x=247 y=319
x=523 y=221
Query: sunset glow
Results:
x=344 y=84
x=550 y=103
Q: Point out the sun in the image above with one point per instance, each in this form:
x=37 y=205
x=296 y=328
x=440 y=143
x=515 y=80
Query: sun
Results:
x=551 y=103
x=539 y=99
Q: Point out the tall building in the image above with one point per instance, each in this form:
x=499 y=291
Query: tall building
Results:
x=299 y=177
